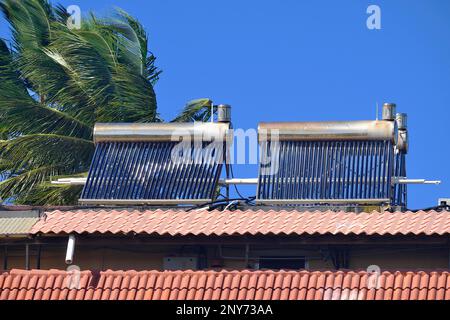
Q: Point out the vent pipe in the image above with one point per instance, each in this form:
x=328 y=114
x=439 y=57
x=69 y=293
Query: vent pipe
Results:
x=389 y=111
x=70 y=249
x=224 y=113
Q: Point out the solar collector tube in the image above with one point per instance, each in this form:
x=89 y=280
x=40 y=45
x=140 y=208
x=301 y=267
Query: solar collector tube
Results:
x=330 y=170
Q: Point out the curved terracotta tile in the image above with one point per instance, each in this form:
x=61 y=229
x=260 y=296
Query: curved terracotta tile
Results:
x=241 y=285
x=176 y=222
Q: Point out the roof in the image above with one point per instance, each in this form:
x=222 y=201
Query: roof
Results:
x=17 y=223
x=248 y=222
x=223 y=285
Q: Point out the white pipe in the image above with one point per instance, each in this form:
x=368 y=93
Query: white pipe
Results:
x=415 y=181
x=71 y=181
x=395 y=181
x=82 y=181
x=230 y=204
x=70 y=249
x=239 y=181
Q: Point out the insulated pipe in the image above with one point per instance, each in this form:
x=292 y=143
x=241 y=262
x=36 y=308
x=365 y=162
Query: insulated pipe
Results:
x=27 y=257
x=252 y=181
x=326 y=131
x=415 y=181
x=160 y=132
x=238 y=181
x=70 y=249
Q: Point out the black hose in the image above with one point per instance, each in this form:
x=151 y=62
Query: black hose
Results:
x=222 y=202
x=443 y=207
x=235 y=187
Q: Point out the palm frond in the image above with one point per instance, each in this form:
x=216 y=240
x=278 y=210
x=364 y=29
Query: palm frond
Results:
x=23 y=183
x=152 y=72
x=39 y=150
x=16 y=118
x=56 y=83
x=29 y=21
x=16 y=106
x=50 y=194
x=138 y=32
x=195 y=110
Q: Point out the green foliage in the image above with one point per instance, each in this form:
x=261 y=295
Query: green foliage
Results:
x=57 y=195
x=195 y=110
x=56 y=83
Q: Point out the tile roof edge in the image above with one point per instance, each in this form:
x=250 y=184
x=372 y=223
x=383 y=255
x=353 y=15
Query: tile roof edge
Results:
x=224 y=271
x=281 y=210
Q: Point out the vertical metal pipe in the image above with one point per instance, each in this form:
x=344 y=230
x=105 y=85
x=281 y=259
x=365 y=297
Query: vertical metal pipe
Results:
x=247 y=253
x=86 y=188
x=385 y=170
x=38 y=258
x=148 y=178
x=342 y=161
x=262 y=163
x=370 y=171
x=27 y=257
x=227 y=169
x=391 y=170
x=5 y=258
x=324 y=176
x=313 y=169
x=352 y=173
x=305 y=173
x=140 y=172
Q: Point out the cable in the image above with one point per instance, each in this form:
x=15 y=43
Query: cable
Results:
x=220 y=202
x=443 y=207
x=230 y=204
x=235 y=187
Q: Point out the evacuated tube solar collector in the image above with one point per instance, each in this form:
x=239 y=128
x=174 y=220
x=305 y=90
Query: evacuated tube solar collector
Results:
x=326 y=163
x=155 y=163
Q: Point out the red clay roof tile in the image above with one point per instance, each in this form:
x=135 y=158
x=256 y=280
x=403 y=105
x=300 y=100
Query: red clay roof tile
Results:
x=249 y=222
x=206 y=285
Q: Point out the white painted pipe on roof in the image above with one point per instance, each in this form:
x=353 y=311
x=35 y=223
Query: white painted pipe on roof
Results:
x=415 y=181
x=401 y=180
x=239 y=181
x=71 y=181
x=395 y=181
x=70 y=249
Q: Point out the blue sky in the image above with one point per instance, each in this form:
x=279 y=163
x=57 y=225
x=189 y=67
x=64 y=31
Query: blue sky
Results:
x=307 y=60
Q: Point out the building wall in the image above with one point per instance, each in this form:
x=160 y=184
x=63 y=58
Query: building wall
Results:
x=400 y=258
x=148 y=257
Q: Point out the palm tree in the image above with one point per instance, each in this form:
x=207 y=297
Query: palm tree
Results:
x=56 y=82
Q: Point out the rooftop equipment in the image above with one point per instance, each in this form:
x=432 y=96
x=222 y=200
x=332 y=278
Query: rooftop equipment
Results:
x=333 y=163
x=400 y=190
x=309 y=164
x=155 y=163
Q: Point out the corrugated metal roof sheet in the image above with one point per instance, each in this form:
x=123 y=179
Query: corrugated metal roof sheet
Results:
x=223 y=223
x=224 y=285
x=14 y=223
